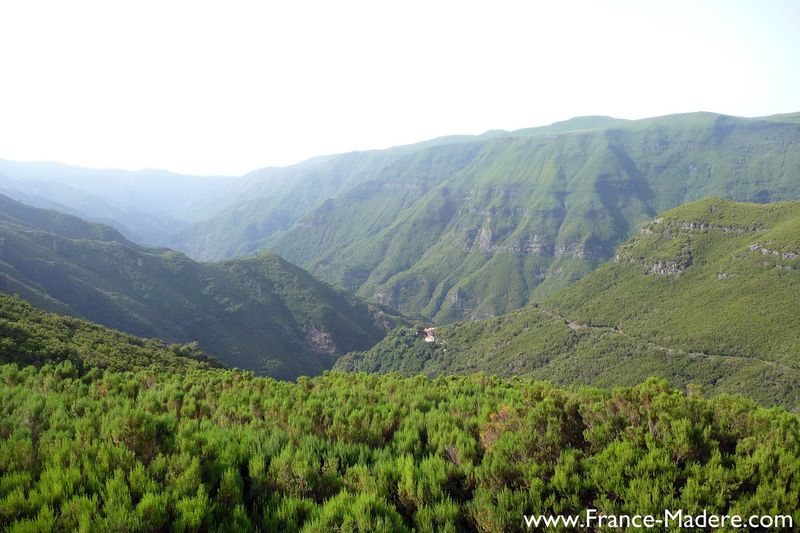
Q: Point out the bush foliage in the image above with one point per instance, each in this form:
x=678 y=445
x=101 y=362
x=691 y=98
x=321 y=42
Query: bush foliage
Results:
x=219 y=450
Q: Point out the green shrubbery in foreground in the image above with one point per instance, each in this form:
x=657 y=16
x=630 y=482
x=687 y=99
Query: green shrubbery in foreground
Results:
x=102 y=431
x=196 y=450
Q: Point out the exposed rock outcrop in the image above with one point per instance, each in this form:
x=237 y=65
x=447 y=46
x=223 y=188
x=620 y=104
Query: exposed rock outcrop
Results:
x=320 y=341
x=774 y=253
x=669 y=268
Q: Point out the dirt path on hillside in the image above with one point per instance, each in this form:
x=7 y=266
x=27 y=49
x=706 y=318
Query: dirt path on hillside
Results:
x=577 y=326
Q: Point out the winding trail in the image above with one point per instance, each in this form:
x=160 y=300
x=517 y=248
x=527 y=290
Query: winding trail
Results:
x=577 y=326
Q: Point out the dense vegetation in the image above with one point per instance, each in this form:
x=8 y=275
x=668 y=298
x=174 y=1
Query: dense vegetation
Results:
x=258 y=313
x=705 y=294
x=30 y=336
x=471 y=228
x=226 y=451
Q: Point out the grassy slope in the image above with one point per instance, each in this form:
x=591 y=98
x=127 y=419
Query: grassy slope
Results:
x=483 y=226
x=729 y=321
x=730 y=298
x=258 y=313
x=269 y=201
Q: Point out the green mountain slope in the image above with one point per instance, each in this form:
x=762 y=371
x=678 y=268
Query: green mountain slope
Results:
x=714 y=276
x=31 y=336
x=705 y=294
x=264 y=203
x=483 y=226
x=259 y=313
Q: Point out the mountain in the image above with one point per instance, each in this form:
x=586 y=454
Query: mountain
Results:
x=146 y=206
x=474 y=227
x=266 y=202
x=102 y=431
x=258 y=313
x=705 y=294
x=714 y=276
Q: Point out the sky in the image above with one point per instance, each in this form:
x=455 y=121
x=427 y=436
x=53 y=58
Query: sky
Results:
x=227 y=87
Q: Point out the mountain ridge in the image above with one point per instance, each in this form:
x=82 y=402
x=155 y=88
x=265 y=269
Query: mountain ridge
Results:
x=482 y=227
x=30 y=336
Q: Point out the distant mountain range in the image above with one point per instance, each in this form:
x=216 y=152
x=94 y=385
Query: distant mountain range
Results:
x=472 y=227
x=258 y=313
x=145 y=206
x=706 y=293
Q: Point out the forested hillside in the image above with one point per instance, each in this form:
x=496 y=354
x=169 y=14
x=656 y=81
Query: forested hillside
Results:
x=713 y=276
x=704 y=294
x=258 y=313
x=484 y=225
x=30 y=336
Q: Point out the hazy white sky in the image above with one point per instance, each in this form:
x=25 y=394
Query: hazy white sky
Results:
x=230 y=86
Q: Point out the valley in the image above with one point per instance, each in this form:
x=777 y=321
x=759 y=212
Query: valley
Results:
x=418 y=267
x=588 y=317
x=258 y=313
x=470 y=228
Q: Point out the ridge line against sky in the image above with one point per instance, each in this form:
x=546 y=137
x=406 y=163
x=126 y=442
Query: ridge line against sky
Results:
x=112 y=168
x=213 y=88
